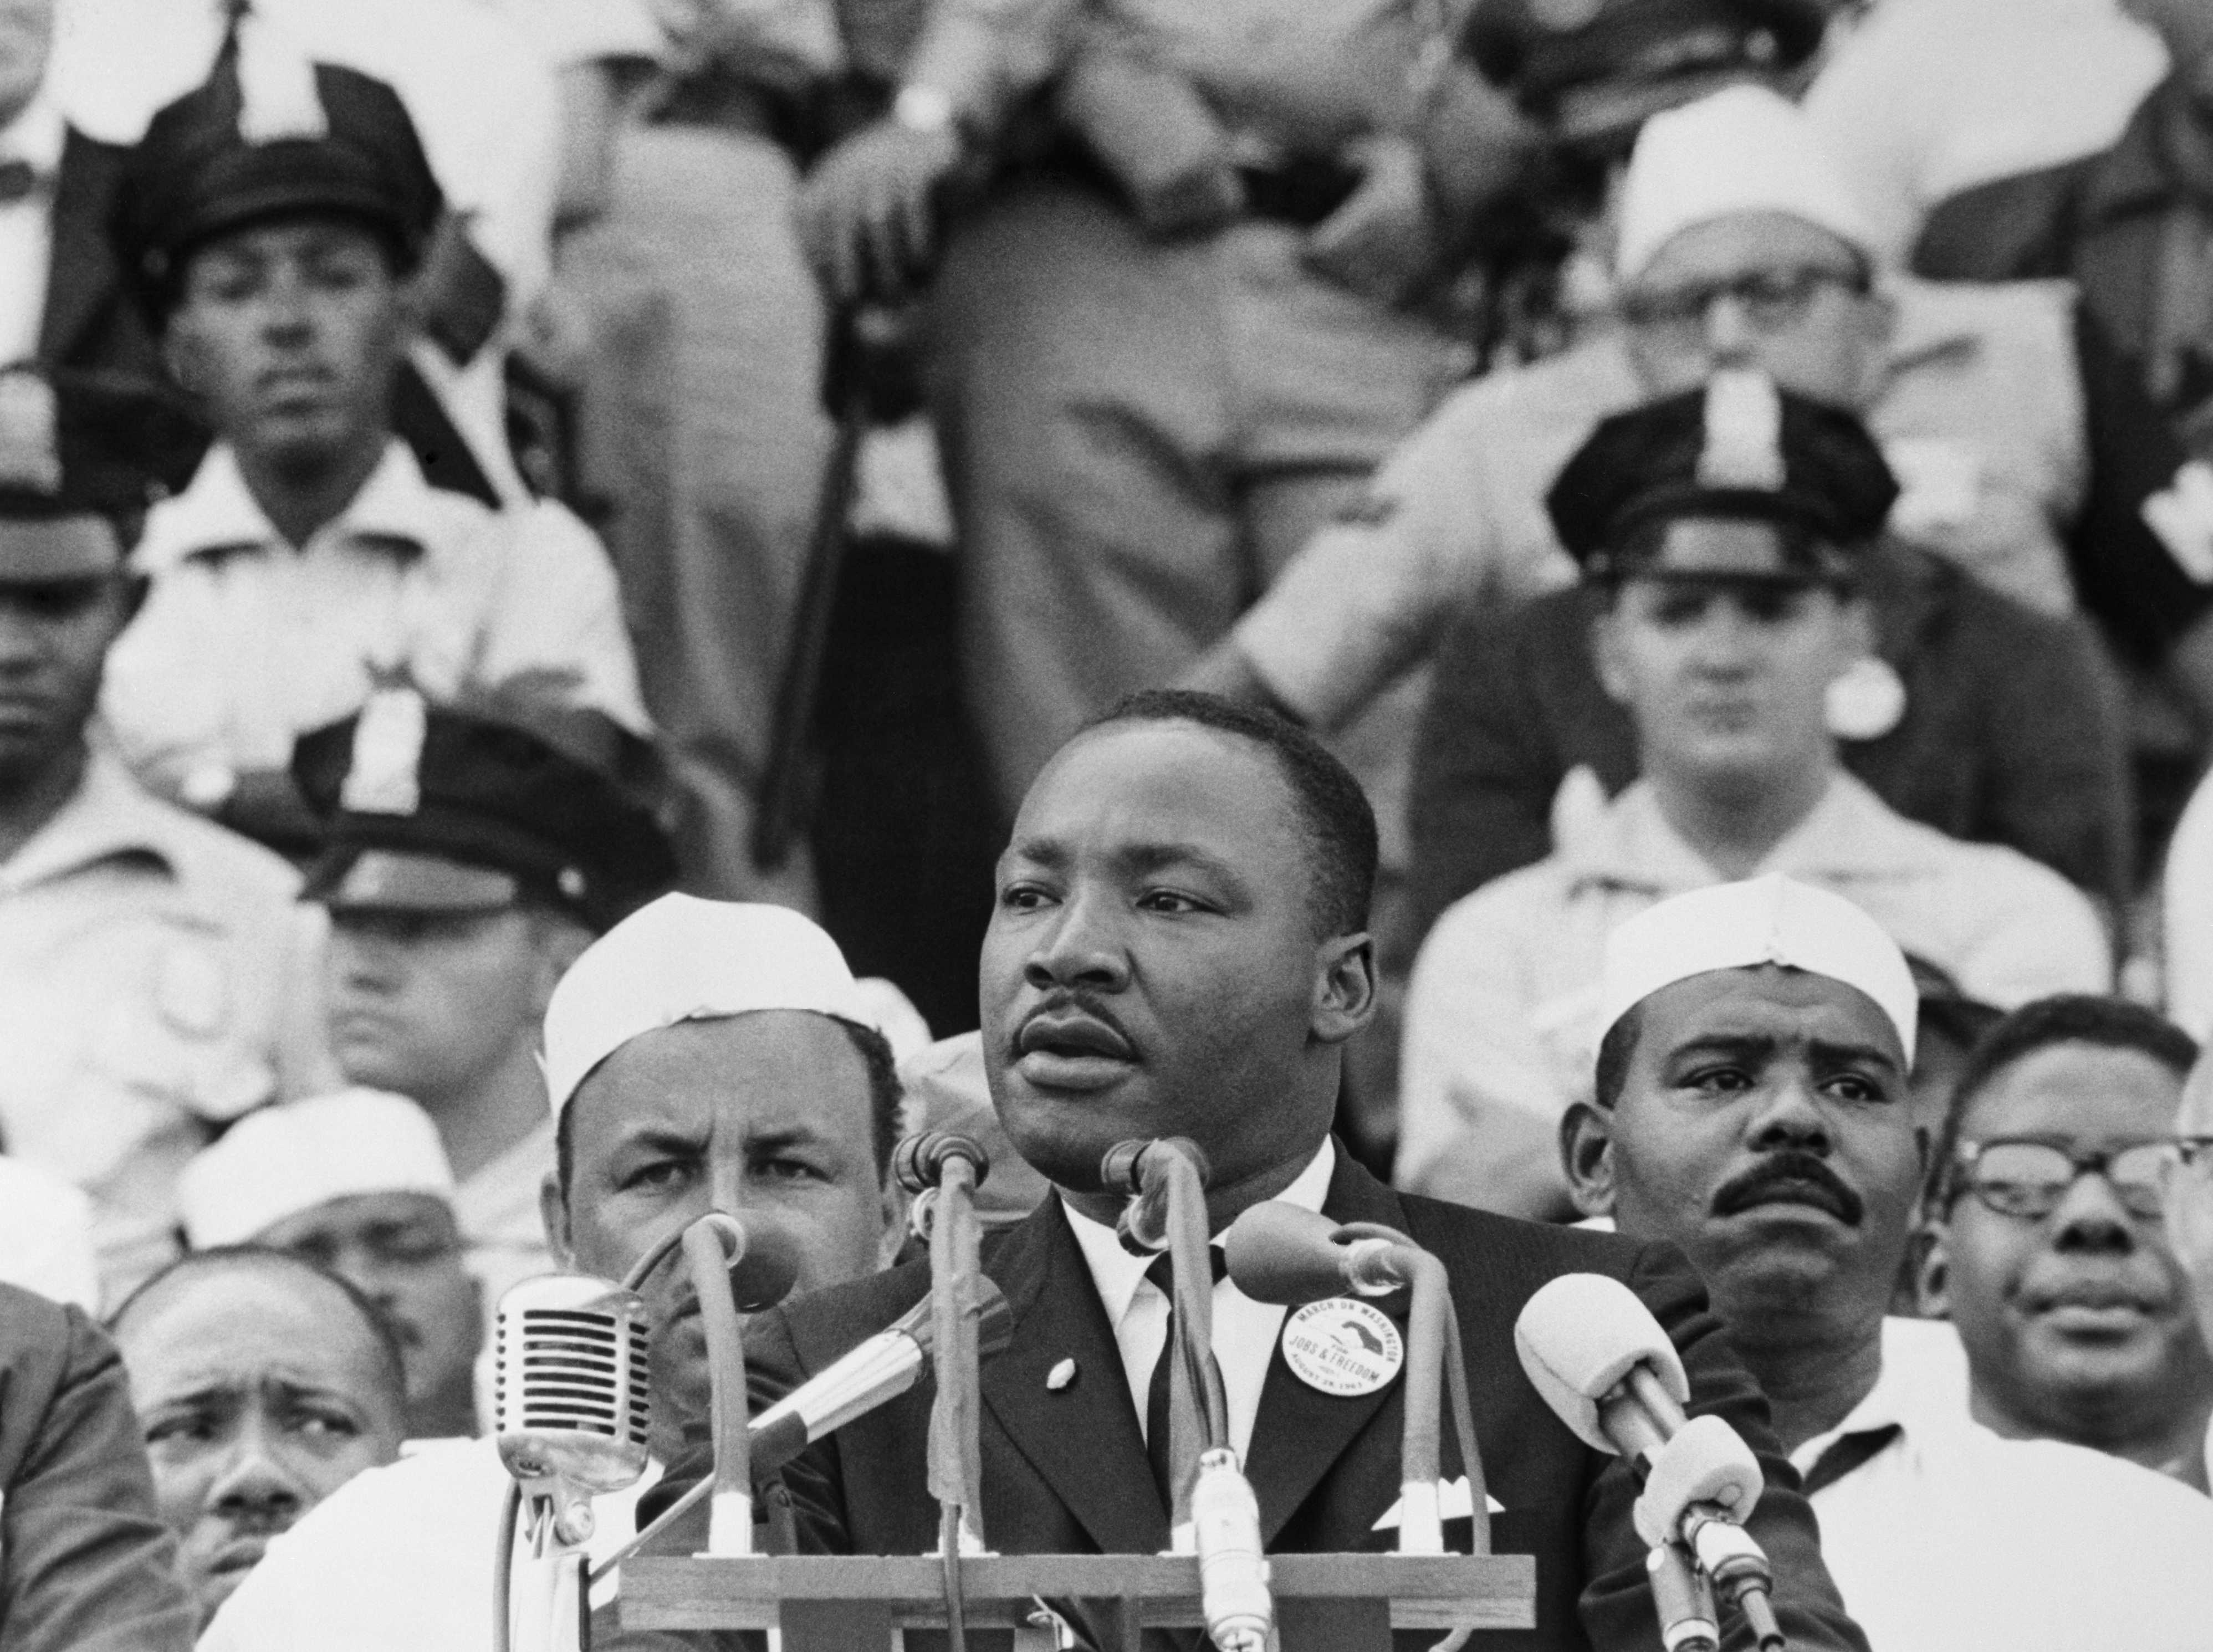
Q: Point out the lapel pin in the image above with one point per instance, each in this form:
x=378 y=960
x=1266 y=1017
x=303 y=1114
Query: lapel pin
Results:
x=1062 y=1375
x=1342 y=1347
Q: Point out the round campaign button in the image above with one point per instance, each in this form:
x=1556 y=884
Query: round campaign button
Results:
x=1342 y=1347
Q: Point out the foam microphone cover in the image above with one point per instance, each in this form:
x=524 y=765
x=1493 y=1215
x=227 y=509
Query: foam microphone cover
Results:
x=1279 y=1252
x=1579 y=1336
x=764 y=1275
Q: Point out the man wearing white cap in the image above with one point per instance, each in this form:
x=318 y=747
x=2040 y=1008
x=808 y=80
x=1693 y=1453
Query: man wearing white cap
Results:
x=358 y=1182
x=1725 y=534
x=1752 y=1108
x=700 y=1056
x=1738 y=245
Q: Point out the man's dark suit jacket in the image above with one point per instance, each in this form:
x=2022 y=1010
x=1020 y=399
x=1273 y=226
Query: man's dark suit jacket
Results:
x=1064 y=1470
x=92 y=319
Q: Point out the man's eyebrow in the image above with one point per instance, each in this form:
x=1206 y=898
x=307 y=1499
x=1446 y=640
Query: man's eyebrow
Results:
x=772 y=1138
x=663 y=1138
x=1829 y=1052
x=1742 y=1045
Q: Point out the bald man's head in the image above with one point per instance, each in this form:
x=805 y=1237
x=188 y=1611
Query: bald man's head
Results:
x=263 y=1383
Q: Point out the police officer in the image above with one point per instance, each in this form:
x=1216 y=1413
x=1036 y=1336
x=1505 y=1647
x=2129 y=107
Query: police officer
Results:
x=1723 y=532
x=152 y=967
x=271 y=217
x=474 y=851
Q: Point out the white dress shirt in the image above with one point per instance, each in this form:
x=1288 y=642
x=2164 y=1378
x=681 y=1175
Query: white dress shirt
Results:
x=1245 y=1331
x=27 y=235
x=245 y=643
x=1953 y=1537
x=399 y=1557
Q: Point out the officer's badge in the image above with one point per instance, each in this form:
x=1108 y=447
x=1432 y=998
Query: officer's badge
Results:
x=384 y=776
x=1565 y=16
x=2182 y=516
x=30 y=439
x=277 y=97
x=1744 y=433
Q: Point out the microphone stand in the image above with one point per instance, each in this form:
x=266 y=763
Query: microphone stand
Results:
x=1213 y=1512
x=942 y=1171
x=712 y=1245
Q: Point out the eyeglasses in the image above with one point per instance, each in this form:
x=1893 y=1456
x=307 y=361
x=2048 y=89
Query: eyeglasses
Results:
x=1772 y=299
x=2028 y=1178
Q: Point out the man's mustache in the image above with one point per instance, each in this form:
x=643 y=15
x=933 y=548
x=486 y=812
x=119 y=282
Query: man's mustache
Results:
x=1795 y=1177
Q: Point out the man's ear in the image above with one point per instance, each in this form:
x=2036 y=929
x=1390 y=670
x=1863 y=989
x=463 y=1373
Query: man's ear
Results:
x=554 y=1211
x=1607 y=652
x=1344 y=988
x=1857 y=615
x=1932 y=1270
x=1587 y=1155
x=1878 y=312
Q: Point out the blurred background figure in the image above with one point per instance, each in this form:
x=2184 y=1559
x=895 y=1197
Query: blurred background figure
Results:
x=89 y=1565
x=358 y=1183
x=262 y=1384
x=2189 y=1207
x=1920 y=100
x=271 y=217
x=46 y=1236
x=472 y=853
x=156 y=979
x=2045 y=1245
x=1727 y=530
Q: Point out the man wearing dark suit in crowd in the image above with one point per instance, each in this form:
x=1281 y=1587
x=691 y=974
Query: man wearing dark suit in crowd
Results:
x=1179 y=947
x=87 y=1565
x=62 y=300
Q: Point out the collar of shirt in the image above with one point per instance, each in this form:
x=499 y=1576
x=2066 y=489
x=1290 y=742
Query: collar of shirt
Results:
x=1849 y=834
x=1922 y=1391
x=110 y=816
x=36 y=136
x=218 y=514
x=1244 y=1331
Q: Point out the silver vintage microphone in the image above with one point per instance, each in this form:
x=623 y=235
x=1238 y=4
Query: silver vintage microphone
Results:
x=571 y=1403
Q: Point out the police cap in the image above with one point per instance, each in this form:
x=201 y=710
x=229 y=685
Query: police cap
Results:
x=1591 y=67
x=1738 y=448
x=78 y=443
x=272 y=133
x=470 y=808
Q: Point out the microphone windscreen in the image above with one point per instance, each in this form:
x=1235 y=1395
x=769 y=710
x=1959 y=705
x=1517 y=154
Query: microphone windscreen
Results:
x=764 y=1275
x=1278 y=1252
x=1579 y=1336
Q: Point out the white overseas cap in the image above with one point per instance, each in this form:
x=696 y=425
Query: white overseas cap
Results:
x=1770 y=920
x=294 y=1156
x=1742 y=151
x=682 y=958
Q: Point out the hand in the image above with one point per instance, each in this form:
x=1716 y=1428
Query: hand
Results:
x=1383 y=242
x=867 y=211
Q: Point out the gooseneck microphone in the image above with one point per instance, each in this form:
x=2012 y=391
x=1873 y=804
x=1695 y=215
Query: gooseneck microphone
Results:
x=1610 y=1372
x=878 y=1371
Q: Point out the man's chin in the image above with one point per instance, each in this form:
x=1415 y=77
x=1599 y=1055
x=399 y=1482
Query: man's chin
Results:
x=1062 y=1136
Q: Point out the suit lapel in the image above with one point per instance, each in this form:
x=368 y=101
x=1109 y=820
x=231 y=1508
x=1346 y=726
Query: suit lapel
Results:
x=1299 y=1432
x=1082 y=1438
x=81 y=274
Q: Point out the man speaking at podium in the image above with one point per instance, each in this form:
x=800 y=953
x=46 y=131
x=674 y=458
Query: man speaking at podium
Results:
x=1179 y=947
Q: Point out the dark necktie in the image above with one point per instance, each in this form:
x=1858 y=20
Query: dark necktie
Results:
x=1847 y=1452
x=1162 y=1274
x=17 y=179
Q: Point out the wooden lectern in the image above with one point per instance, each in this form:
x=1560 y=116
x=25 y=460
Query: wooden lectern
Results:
x=1324 y=1602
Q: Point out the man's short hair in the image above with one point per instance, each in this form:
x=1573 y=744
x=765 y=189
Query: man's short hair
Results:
x=884 y=1098
x=1615 y=1052
x=1334 y=815
x=391 y=1366
x=2064 y=1018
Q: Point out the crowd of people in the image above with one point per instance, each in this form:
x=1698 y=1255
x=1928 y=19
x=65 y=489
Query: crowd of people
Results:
x=1582 y=617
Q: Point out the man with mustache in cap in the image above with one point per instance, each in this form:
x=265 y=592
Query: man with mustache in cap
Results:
x=1750 y=1106
x=1179 y=947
